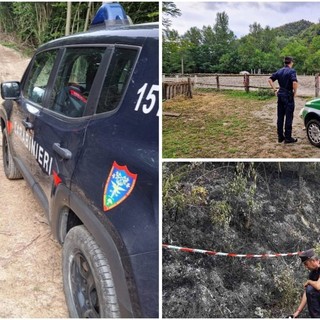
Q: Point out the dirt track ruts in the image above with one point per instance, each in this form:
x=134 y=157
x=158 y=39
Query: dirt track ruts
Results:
x=30 y=259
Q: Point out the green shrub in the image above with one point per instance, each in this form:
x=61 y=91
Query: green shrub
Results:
x=220 y=213
x=290 y=291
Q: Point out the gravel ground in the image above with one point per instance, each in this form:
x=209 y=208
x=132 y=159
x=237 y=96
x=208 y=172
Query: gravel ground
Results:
x=30 y=259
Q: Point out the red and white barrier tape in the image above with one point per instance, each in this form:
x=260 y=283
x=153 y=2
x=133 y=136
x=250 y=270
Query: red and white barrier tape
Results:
x=215 y=253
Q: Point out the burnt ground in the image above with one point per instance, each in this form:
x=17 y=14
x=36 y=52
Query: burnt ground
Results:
x=254 y=209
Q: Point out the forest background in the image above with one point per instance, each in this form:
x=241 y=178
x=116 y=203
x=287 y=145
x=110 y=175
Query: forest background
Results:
x=216 y=49
x=30 y=24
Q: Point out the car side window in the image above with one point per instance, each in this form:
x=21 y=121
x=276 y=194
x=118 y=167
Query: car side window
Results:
x=117 y=78
x=38 y=78
x=73 y=83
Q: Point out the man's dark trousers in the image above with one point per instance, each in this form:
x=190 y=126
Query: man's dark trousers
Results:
x=313 y=300
x=285 y=115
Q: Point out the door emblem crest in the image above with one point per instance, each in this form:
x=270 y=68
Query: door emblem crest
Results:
x=119 y=186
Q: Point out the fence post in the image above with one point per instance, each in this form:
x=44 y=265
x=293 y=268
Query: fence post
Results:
x=317 y=85
x=246 y=82
x=189 y=91
x=218 y=83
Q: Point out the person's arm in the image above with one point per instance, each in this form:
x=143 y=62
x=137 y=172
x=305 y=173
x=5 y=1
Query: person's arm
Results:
x=301 y=305
x=314 y=284
x=272 y=86
x=295 y=87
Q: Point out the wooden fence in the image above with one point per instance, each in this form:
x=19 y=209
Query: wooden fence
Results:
x=179 y=84
x=170 y=89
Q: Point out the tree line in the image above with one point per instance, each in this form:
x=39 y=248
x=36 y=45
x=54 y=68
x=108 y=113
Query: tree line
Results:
x=216 y=49
x=34 y=23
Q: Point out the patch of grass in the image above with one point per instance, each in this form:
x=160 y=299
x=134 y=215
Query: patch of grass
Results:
x=260 y=94
x=229 y=124
x=9 y=45
x=210 y=124
x=26 y=51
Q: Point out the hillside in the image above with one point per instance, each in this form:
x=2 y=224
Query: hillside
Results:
x=309 y=34
x=293 y=29
x=263 y=49
x=241 y=208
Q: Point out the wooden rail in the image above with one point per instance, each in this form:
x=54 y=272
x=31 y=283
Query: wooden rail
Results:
x=216 y=81
x=172 y=89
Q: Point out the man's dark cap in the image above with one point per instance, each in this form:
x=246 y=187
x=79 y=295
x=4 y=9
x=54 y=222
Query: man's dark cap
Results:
x=288 y=60
x=306 y=255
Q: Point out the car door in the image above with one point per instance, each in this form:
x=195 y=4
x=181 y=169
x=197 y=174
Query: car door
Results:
x=60 y=126
x=26 y=109
x=52 y=125
x=117 y=171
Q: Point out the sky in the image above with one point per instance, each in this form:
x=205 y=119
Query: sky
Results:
x=243 y=14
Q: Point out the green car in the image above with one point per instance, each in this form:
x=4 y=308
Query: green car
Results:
x=310 y=114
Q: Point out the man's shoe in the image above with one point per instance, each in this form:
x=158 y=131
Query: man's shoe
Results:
x=291 y=140
x=280 y=139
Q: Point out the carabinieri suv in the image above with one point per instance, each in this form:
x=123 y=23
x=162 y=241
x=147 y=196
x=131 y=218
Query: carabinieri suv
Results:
x=82 y=128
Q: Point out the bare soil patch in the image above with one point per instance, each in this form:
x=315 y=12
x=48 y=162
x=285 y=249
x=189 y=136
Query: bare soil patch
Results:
x=30 y=259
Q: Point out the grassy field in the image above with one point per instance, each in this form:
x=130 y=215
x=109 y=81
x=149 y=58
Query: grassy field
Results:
x=229 y=124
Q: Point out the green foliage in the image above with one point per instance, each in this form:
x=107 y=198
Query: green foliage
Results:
x=264 y=94
x=216 y=49
x=220 y=213
x=198 y=195
x=240 y=192
x=293 y=28
x=290 y=291
x=238 y=201
x=317 y=249
x=261 y=94
x=34 y=23
x=201 y=50
x=142 y=12
x=169 y=9
x=176 y=197
x=173 y=199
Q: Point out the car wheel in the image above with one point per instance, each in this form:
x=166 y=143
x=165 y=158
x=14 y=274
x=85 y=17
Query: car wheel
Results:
x=87 y=279
x=10 y=169
x=313 y=132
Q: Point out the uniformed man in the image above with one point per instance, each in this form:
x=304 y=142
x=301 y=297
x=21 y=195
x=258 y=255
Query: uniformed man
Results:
x=288 y=85
x=311 y=295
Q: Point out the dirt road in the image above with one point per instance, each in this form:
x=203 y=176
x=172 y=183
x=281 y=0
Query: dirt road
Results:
x=30 y=259
x=269 y=148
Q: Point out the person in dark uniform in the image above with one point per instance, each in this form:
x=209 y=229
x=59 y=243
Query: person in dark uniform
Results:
x=288 y=85
x=311 y=295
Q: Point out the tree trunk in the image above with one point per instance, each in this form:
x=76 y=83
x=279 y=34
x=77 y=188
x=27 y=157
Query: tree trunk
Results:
x=68 y=21
x=87 y=17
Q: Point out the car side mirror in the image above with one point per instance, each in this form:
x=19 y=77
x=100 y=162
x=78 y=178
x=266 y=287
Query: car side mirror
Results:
x=10 y=90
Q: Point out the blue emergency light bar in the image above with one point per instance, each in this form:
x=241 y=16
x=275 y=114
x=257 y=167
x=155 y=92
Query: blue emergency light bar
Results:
x=110 y=14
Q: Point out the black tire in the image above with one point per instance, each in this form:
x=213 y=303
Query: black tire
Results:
x=10 y=169
x=313 y=132
x=87 y=279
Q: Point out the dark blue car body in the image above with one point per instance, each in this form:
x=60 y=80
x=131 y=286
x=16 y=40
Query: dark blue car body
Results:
x=71 y=162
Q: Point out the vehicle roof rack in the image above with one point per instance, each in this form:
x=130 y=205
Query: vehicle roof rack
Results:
x=110 y=15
